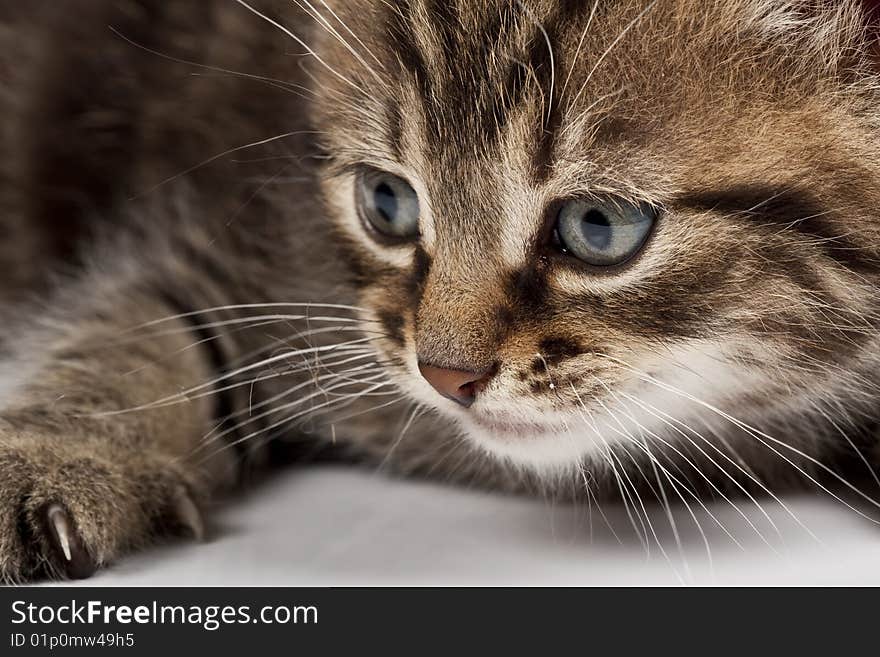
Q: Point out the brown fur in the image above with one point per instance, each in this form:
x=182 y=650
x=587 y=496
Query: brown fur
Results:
x=145 y=177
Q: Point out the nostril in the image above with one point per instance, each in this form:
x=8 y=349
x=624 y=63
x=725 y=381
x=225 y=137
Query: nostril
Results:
x=466 y=394
x=461 y=386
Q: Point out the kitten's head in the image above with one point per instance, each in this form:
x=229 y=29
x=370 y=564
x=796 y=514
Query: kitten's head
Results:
x=581 y=223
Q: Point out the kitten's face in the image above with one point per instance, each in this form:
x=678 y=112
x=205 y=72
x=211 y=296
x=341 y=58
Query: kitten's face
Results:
x=615 y=216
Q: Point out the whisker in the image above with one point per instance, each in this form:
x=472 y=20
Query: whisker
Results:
x=763 y=438
x=306 y=6
x=666 y=473
x=743 y=489
x=707 y=479
x=608 y=455
x=247 y=322
x=366 y=411
x=247 y=306
x=580 y=45
x=289 y=419
x=598 y=507
x=413 y=416
x=672 y=478
x=214 y=158
x=647 y=515
x=849 y=441
x=605 y=54
x=549 y=44
x=228 y=375
x=296 y=89
x=302 y=43
x=344 y=375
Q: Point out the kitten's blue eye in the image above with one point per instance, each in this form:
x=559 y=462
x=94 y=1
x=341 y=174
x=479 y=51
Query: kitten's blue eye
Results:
x=388 y=204
x=604 y=233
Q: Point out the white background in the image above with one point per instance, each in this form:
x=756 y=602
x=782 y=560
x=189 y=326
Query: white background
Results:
x=342 y=526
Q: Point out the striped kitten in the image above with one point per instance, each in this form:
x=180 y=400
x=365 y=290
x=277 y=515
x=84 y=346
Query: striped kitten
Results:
x=579 y=248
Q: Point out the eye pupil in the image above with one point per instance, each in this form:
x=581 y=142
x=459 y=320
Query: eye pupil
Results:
x=597 y=229
x=386 y=202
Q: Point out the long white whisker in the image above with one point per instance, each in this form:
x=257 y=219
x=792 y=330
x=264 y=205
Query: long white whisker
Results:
x=302 y=43
x=343 y=376
x=647 y=515
x=702 y=475
x=228 y=375
x=319 y=18
x=670 y=421
x=849 y=440
x=608 y=455
x=291 y=87
x=413 y=416
x=763 y=438
x=672 y=478
x=289 y=419
x=590 y=495
x=247 y=306
x=580 y=45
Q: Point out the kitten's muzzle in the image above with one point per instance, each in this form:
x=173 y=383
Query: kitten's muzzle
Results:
x=461 y=386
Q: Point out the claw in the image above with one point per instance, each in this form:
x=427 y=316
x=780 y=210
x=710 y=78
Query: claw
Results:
x=58 y=518
x=77 y=562
x=189 y=515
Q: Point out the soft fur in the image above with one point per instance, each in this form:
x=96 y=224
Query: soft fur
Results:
x=177 y=189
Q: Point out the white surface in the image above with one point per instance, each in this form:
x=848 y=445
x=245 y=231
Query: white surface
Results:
x=326 y=527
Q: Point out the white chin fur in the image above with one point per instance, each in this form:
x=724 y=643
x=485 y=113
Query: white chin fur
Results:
x=567 y=444
x=541 y=452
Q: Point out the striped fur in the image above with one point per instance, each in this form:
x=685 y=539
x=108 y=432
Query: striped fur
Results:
x=206 y=163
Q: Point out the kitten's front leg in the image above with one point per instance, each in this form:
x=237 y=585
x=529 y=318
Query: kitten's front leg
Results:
x=83 y=478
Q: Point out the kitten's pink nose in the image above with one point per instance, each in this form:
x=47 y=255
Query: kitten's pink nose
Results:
x=458 y=385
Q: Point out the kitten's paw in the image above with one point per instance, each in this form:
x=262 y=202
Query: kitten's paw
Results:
x=66 y=510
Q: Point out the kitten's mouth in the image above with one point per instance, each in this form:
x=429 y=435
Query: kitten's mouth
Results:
x=542 y=444
x=508 y=429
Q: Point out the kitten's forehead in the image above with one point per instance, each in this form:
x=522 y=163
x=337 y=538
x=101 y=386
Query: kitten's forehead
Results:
x=548 y=70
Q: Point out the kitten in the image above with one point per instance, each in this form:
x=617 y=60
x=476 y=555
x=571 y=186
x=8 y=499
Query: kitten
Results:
x=573 y=248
